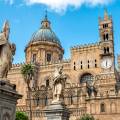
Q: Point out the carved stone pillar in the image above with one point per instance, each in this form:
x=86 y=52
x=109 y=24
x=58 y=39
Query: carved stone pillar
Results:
x=8 y=100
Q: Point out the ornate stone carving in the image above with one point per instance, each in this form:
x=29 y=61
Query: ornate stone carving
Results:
x=7 y=51
x=58 y=84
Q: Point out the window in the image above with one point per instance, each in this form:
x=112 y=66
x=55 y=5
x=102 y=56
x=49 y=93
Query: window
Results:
x=107 y=49
x=95 y=63
x=81 y=65
x=105 y=25
x=71 y=100
x=88 y=64
x=48 y=57
x=105 y=37
x=86 y=78
x=34 y=58
x=102 y=107
x=47 y=83
x=74 y=66
x=60 y=57
x=104 y=50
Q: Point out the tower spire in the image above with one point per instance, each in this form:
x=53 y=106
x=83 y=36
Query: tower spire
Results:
x=106 y=16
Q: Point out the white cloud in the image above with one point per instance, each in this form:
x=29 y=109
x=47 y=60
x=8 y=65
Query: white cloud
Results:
x=61 y=5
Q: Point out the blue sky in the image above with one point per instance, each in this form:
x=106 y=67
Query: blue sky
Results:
x=75 y=22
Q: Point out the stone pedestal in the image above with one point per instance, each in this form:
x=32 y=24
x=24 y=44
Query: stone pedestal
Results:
x=57 y=111
x=8 y=100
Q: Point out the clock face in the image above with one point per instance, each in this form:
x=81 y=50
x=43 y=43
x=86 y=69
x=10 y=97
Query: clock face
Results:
x=106 y=63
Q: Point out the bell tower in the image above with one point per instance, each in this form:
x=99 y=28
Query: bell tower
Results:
x=107 y=42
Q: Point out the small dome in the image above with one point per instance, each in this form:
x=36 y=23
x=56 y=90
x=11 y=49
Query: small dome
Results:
x=45 y=33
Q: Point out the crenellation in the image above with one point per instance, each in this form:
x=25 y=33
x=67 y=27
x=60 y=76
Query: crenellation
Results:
x=85 y=47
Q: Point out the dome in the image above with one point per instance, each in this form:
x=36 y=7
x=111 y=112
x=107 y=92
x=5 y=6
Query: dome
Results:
x=45 y=33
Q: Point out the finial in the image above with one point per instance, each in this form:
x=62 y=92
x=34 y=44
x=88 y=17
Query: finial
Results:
x=45 y=23
x=46 y=14
x=105 y=13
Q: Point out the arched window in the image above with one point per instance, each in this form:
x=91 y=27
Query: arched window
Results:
x=104 y=50
x=34 y=58
x=47 y=82
x=86 y=78
x=102 y=107
x=107 y=36
x=113 y=107
x=74 y=66
x=95 y=63
x=107 y=49
x=71 y=99
x=49 y=57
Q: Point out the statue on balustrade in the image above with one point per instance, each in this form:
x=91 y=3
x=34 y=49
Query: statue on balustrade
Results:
x=58 y=84
x=7 y=51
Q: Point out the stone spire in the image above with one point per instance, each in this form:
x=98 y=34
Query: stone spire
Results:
x=45 y=22
x=106 y=16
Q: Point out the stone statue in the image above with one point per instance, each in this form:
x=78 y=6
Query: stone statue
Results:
x=7 y=51
x=91 y=88
x=58 y=84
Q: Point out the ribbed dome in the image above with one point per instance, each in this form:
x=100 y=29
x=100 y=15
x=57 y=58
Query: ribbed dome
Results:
x=45 y=33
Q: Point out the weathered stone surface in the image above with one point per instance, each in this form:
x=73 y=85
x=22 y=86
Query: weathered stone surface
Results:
x=8 y=100
x=57 y=111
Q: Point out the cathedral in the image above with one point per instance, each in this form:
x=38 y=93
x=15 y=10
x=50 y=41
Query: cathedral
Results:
x=93 y=81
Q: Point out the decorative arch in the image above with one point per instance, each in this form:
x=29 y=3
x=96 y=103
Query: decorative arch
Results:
x=68 y=97
x=93 y=108
x=102 y=107
x=113 y=107
x=86 y=77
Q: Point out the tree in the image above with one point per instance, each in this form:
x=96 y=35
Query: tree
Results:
x=27 y=71
x=21 y=116
x=87 y=117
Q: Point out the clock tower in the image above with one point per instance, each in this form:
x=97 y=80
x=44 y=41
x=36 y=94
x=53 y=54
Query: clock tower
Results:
x=107 y=43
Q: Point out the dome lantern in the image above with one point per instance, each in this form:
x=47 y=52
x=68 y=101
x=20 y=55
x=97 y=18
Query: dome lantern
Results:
x=45 y=22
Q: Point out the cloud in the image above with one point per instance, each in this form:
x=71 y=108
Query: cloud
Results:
x=62 y=5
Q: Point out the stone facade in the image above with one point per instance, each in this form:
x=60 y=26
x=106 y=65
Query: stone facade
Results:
x=93 y=82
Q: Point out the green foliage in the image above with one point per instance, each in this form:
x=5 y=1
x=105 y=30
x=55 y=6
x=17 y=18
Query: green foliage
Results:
x=21 y=116
x=27 y=71
x=87 y=117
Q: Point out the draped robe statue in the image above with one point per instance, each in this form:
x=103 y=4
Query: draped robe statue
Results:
x=7 y=51
x=58 y=84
